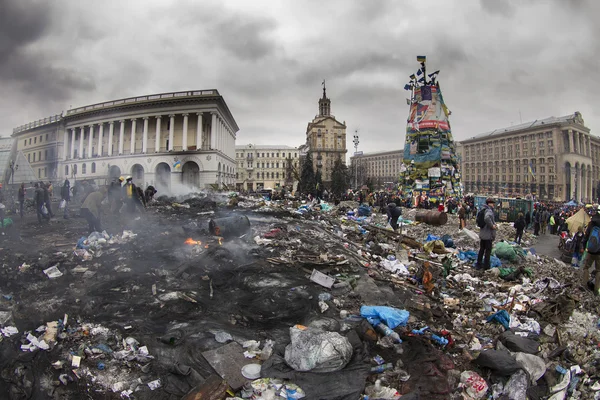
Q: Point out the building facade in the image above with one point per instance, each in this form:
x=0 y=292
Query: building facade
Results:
x=553 y=159
x=381 y=169
x=39 y=143
x=326 y=139
x=266 y=166
x=175 y=141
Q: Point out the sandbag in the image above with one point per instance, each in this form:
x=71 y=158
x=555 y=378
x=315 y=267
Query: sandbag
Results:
x=505 y=251
x=499 y=361
x=518 y=343
x=315 y=350
x=532 y=364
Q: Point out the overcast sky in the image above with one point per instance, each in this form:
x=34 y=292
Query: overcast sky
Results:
x=500 y=61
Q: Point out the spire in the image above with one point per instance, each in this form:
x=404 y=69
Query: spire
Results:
x=324 y=103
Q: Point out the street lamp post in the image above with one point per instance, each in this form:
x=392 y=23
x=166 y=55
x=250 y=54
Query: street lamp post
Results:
x=356 y=142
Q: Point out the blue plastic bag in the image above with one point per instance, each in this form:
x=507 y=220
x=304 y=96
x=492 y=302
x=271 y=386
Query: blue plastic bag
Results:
x=364 y=211
x=431 y=238
x=495 y=262
x=390 y=316
x=80 y=243
x=502 y=317
x=467 y=255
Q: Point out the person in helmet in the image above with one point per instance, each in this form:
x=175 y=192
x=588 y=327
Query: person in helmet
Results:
x=130 y=194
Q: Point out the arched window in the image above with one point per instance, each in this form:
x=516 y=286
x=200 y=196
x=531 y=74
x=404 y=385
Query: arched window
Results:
x=278 y=175
x=66 y=170
x=83 y=169
x=93 y=168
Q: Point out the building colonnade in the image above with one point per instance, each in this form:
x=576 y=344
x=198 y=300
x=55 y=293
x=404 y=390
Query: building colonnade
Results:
x=210 y=132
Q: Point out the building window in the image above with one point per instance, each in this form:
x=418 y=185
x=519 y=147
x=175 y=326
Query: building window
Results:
x=83 y=169
x=25 y=142
x=277 y=165
x=45 y=154
x=278 y=175
x=45 y=172
x=283 y=175
x=39 y=172
x=237 y=175
x=283 y=155
x=35 y=140
x=28 y=157
x=66 y=170
x=263 y=155
x=29 y=140
x=272 y=155
x=550 y=143
x=33 y=157
x=93 y=168
x=277 y=155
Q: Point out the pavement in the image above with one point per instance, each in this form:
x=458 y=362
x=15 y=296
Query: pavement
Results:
x=548 y=245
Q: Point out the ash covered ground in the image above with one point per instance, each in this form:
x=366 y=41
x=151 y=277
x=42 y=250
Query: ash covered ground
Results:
x=141 y=306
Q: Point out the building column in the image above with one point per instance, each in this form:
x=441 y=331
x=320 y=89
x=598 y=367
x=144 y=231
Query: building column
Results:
x=90 y=141
x=184 y=141
x=590 y=186
x=145 y=136
x=73 y=143
x=157 y=141
x=199 y=132
x=213 y=131
x=571 y=149
x=132 y=144
x=100 y=139
x=111 y=131
x=81 y=135
x=66 y=146
x=171 y=131
x=121 y=136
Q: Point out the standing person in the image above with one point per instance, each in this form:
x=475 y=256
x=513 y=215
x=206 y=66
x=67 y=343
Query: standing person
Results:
x=21 y=196
x=462 y=214
x=394 y=212
x=527 y=220
x=38 y=197
x=130 y=194
x=115 y=195
x=487 y=234
x=47 y=199
x=544 y=220
x=92 y=208
x=519 y=227
x=591 y=242
x=577 y=247
x=552 y=224
x=65 y=194
x=537 y=219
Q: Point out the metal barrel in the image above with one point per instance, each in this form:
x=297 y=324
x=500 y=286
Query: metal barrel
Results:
x=432 y=217
x=229 y=226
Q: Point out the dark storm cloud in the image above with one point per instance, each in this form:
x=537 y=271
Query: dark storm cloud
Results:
x=244 y=38
x=504 y=8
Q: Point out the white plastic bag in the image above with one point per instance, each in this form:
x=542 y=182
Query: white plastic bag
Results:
x=316 y=350
x=44 y=210
x=62 y=204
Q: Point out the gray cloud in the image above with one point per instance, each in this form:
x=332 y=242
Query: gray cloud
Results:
x=268 y=59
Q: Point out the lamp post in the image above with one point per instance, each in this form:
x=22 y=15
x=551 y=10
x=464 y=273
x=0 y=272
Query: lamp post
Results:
x=356 y=142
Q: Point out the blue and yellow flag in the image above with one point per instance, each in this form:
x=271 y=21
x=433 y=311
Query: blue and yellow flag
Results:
x=421 y=59
x=531 y=171
x=177 y=164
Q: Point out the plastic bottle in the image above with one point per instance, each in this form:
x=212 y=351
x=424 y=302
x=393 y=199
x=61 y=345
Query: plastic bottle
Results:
x=386 y=331
x=381 y=368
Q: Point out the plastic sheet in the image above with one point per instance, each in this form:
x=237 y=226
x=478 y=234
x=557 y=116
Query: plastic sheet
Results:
x=516 y=387
x=390 y=316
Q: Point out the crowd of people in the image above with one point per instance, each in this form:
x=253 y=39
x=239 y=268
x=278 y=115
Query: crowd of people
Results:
x=123 y=196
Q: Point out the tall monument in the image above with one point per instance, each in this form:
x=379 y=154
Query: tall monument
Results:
x=430 y=165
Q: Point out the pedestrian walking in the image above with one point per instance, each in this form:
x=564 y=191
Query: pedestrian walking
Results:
x=462 y=215
x=527 y=220
x=47 y=199
x=487 y=234
x=537 y=219
x=38 y=197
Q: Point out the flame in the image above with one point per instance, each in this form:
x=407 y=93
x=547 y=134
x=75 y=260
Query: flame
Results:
x=192 y=242
x=220 y=241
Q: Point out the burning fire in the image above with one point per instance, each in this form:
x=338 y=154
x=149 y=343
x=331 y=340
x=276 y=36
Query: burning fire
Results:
x=220 y=241
x=192 y=242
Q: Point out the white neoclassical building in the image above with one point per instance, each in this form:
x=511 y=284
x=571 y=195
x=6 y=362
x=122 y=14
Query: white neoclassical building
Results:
x=169 y=140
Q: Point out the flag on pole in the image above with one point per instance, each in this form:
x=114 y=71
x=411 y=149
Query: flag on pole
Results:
x=407 y=87
x=531 y=171
x=177 y=164
x=419 y=72
x=413 y=77
x=421 y=59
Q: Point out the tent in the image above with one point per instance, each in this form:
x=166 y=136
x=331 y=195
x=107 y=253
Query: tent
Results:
x=571 y=204
x=580 y=218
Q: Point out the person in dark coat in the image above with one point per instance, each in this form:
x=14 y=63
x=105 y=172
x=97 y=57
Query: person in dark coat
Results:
x=487 y=234
x=65 y=194
x=394 y=212
x=38 y=197
x=527 y=220
x=593 y=257
x=519 y=227
x=21 y=196
x=47 y=199
x=151 y=191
